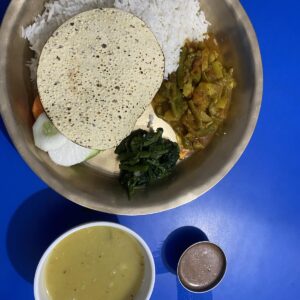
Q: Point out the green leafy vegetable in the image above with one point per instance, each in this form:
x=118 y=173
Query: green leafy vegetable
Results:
x=145 y=158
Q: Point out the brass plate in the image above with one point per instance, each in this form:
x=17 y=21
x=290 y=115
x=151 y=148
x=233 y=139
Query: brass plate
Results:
x=91 y=186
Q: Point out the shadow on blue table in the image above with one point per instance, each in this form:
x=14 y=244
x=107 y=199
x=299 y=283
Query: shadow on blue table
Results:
x=37 y=222
x=177 y=242
x=167 y=257
x=4 y=132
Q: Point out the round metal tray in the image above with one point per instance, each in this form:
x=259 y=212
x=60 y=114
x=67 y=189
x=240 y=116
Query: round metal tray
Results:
x=91 y=186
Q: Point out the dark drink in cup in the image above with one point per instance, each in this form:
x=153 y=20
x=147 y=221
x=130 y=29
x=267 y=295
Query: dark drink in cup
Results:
x=201 y=267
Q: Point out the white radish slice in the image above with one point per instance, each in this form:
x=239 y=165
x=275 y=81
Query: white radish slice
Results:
x=46 y=136
x=70 y=154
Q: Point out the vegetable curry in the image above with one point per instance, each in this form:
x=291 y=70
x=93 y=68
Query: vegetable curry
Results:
x=195 y=99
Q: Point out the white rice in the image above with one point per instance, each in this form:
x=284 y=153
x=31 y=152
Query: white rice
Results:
x=172 y=22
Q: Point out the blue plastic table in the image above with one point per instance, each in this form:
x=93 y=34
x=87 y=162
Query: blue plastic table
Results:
x=253 y=213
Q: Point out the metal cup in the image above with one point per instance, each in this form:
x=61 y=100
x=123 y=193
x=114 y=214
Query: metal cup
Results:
x=201 y=267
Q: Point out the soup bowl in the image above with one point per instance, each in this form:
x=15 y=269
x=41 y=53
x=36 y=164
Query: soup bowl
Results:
x=146 y=288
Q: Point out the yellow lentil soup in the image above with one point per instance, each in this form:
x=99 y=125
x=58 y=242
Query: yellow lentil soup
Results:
x=95 y=263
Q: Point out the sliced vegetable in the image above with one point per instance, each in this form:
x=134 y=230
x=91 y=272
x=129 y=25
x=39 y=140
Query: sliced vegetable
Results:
x=180 y=71
x=46 y=136
x=70 y=154
x=37 y=107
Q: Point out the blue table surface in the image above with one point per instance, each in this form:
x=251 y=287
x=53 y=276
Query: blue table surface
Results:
x=253 y=213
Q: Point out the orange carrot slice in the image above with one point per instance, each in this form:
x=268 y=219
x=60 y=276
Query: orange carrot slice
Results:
x=37 y=107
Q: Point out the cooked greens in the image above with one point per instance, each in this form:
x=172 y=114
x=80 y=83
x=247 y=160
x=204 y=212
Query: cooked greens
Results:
x=145 y=158
x=195 y=99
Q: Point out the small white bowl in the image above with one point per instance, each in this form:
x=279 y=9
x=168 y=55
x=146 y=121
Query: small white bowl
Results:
x=146 y=288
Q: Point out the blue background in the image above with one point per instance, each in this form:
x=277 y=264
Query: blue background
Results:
x=253 y=213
